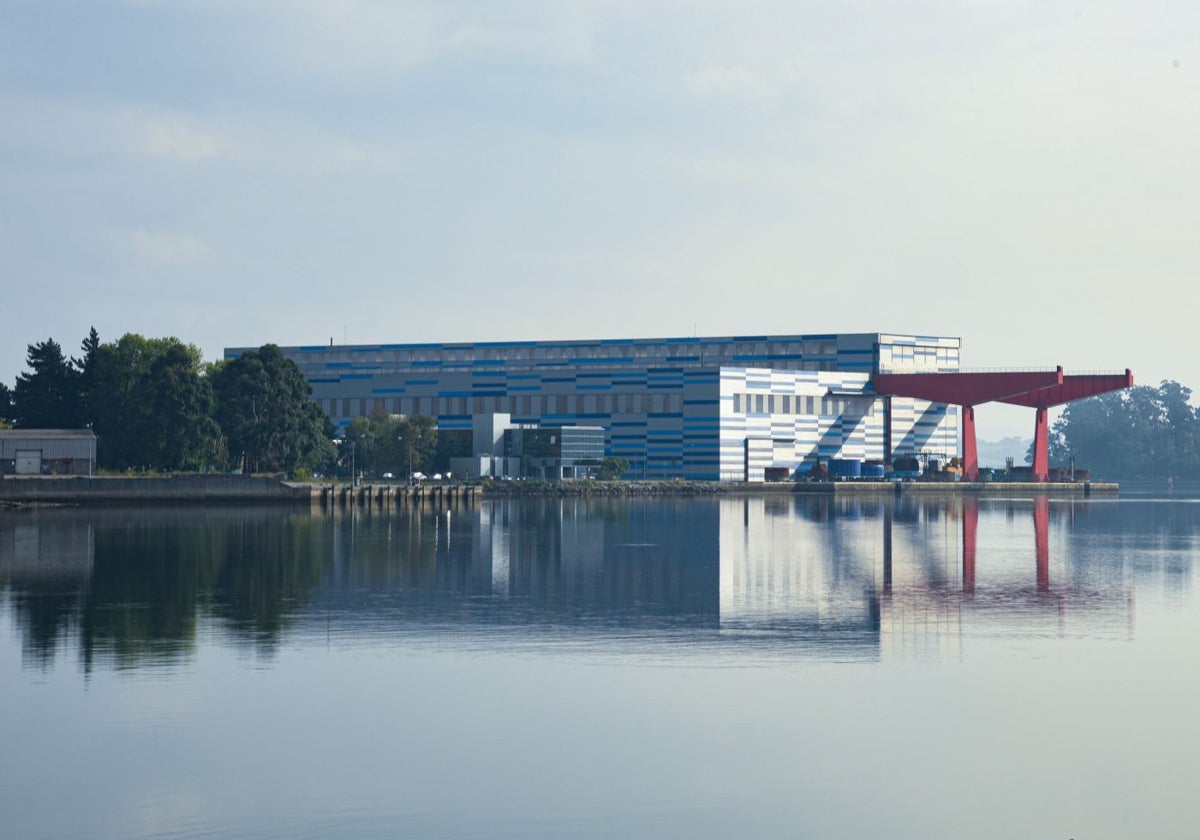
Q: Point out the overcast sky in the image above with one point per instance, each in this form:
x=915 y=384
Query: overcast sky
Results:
x=232 y=172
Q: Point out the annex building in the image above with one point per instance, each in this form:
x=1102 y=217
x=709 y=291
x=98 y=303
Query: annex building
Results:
x=733 y=408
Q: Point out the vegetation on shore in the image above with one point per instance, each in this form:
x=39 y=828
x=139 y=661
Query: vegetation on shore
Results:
x=1140 y=432
x=155 y=406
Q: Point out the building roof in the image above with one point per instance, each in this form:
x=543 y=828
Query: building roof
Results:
x=48 y=434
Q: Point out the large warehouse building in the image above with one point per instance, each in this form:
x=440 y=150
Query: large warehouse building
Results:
x=737 y=408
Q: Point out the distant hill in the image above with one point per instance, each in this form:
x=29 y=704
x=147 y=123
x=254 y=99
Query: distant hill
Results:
x=993 y=452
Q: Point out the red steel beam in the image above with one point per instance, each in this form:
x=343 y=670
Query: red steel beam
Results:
x=1076 y=386
x=966 y=388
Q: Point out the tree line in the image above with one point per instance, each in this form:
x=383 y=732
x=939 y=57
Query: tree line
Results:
x=155 y=405
x=1140 y=432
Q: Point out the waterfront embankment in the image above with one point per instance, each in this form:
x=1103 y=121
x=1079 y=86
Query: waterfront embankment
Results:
x=236 y=489
x=151 y=490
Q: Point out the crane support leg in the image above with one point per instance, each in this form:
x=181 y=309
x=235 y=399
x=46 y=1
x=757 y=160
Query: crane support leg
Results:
x=1041 y=446
x=970 y=450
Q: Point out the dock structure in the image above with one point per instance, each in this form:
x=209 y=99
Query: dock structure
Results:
x=124 y=491
x=382 y=497
x=1040 y=390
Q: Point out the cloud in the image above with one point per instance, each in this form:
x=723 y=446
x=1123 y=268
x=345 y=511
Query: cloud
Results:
x=175 y=138
x=158 y=248
x=733 y=82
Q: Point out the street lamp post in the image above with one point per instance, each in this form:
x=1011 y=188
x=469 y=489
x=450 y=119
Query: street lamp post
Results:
x=409 y=451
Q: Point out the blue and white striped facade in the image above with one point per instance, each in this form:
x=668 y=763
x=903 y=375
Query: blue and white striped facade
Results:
x=698 y=407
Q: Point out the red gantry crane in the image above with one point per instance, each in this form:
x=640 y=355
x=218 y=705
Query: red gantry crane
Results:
x=1038 y=389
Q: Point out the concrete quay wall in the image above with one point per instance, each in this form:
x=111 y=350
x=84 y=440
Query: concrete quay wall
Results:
x=216 y=489
x=133 y=490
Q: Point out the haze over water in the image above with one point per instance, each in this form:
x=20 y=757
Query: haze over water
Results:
x=595 y=668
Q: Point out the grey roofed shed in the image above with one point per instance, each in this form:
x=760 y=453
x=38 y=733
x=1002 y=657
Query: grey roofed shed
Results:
x=70 y=451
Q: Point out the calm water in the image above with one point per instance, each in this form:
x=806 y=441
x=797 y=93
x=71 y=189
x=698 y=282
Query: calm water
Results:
x=710 y=668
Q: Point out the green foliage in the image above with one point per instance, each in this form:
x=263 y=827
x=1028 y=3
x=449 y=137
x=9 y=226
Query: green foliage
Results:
x=613 y=467
x=149 y=405
x=451 y=443
x=263 y=407
x=6 y=403
x=376 y=443
x=47 y=397
x=418 y=439
x=1139 y=432
x=390 y=443
x=180 y=432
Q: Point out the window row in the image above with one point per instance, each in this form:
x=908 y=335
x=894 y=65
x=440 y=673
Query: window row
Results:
x=920 y=355
x=524 y=405
x=795 y=404
x=714 y=352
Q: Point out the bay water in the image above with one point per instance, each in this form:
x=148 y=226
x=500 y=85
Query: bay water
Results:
x=761 y=666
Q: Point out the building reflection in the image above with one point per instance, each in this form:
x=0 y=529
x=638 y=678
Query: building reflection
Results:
x=830 y=578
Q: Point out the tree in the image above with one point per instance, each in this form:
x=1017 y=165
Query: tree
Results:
x=6 y=403
x=377 y=442
x=86 y=366
x=418 y=441
x=613 y=467
x=150 y=404
x=179 y=431
x=264 y=410
x=47 y=397
x=1142 y=431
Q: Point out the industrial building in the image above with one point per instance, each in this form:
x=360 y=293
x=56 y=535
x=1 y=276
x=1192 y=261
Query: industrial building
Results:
x=734 y=408
x=47 y=452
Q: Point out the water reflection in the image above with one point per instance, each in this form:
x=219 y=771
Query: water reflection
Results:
x=796 y=576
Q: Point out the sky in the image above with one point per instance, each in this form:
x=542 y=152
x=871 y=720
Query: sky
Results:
x=234 y=172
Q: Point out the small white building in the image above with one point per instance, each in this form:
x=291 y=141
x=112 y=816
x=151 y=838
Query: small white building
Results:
x=47 y=452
